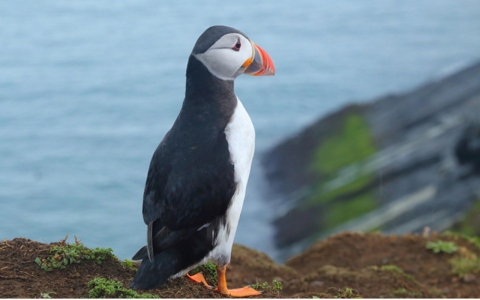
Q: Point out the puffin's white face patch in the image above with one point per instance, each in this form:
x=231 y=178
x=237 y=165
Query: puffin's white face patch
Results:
x=222 y=60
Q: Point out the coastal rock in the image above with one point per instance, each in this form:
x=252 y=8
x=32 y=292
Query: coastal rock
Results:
x=397 y=164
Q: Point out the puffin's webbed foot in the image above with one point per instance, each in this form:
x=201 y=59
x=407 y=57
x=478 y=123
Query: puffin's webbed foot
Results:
x=222 y=285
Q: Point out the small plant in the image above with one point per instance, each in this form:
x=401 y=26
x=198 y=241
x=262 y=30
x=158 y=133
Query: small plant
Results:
x=128 y=264
x=276 y=286
x=442 y=246
x=260 y=286
x=472 y=239
x=46 y=295
x=347 y=293
x=463 y=266
x=391 y=268
x=103 y=288
x=65 y=254
x=209 y=271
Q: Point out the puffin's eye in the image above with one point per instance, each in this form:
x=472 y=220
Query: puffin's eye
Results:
x=237 y=46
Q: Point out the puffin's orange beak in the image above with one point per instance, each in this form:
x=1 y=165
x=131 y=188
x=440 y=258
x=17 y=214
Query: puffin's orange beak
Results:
x=260 y=64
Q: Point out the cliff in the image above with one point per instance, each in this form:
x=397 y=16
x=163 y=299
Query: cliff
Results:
x=397 y=164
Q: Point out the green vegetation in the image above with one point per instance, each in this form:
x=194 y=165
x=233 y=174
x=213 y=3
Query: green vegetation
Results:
x=475 y=240
x=46 y=295
x=65 y=254
x=129 y=264
x=343 y=211
x=436 y=292
x=465 y=265
x=325 y=196
x=470 y=224
x=353 y=144
x=276 y=286
x=465 y=261
x=442 y=246
x=209 y=271
x=391 y=268
x=402 y=292
x=347 y=293
x=103 y=288
x=394 y=269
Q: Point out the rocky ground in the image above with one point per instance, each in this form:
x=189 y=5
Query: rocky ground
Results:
x=346 y=265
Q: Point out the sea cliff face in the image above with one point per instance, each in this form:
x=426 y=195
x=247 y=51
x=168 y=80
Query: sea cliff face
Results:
x=397 y=164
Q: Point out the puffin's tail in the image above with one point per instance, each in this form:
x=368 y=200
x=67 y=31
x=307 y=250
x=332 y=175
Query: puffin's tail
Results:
x=154 y=273
x=184 y=254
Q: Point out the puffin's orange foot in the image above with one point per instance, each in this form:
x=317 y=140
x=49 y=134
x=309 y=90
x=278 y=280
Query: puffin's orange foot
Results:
x=239 y=293
x=198 y=278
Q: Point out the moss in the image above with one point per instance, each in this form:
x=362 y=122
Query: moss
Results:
x=391 y=268
x=394 y=269
x=343 y=211
x=463 y=265
x=352 y=144
x=347 y=293
x=406 y=293
x=436 y=292
x=103 y=288
x=65 y=254
x=325 y=196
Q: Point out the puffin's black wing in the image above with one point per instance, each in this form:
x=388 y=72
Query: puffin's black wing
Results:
x=190 y=182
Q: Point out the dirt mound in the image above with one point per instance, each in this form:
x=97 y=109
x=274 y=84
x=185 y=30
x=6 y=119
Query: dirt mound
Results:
x=346 y=265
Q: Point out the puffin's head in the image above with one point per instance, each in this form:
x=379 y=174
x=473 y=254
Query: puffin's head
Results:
x=227 y=53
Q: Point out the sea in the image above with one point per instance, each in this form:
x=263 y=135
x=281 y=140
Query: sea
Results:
x=89 y=88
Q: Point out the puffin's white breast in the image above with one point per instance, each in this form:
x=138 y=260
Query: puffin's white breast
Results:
x=241 y=144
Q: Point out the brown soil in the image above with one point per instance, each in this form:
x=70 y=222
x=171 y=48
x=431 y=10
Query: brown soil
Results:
x=346 y=265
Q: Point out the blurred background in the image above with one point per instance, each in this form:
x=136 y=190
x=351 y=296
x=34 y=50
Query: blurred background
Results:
x=89 y=88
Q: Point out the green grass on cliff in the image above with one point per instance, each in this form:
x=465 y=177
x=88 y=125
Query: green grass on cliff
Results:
x=344 y=211
x=325 y=195
x=353 y=144
x=65 y=254
x=470 y=224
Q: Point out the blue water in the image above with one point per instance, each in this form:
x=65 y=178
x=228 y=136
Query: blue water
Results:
x=89 y=88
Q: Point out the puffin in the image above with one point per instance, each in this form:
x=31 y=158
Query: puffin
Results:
x=198 y=174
